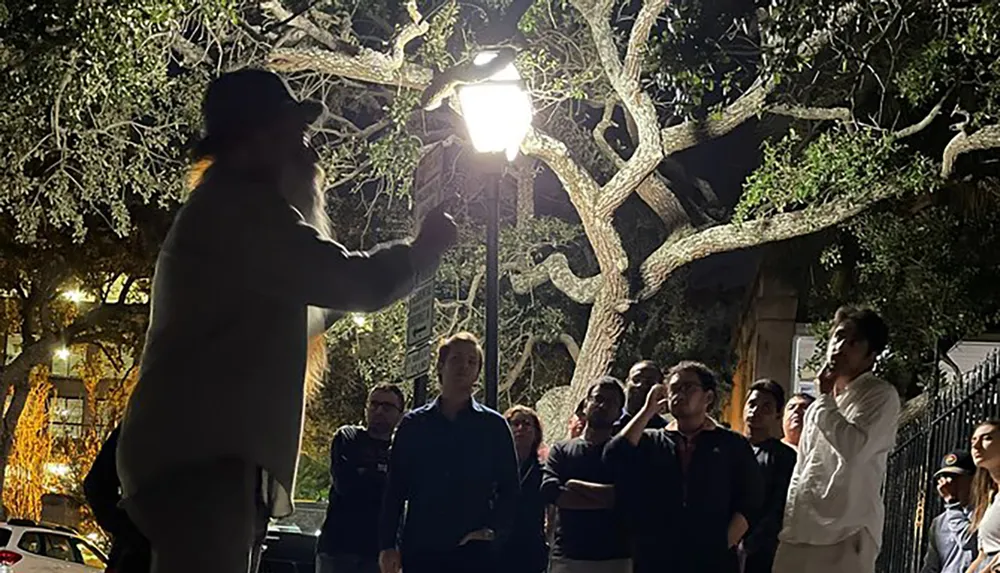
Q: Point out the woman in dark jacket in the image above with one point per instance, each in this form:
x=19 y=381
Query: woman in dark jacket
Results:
x=526 y=551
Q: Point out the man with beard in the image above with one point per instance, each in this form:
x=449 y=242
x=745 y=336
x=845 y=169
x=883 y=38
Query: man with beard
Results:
x=210 y=439
x=795 y=415
x=641 y=378
x=589 y=537
x=834 y=513
x=454 y=468
x=761 y=421
x=700 y=475
x=359 y=462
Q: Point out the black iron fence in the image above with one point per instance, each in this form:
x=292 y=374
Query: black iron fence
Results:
x=943 y=423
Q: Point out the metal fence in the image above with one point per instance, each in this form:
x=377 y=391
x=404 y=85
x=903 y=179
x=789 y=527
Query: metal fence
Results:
x=946 y=422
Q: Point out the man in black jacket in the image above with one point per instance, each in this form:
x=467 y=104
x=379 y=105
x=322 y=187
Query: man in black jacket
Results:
x=690 y=490
x=129 y=549
x=359 y=462
x=762 y=421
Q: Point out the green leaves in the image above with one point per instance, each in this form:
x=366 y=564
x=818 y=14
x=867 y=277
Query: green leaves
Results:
x=91 y=120
x=837 y=163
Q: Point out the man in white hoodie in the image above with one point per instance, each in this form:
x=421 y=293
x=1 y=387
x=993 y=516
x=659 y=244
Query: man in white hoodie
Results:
x=834 y=513
x=210 y=439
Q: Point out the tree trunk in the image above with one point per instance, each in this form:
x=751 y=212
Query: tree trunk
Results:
x=604 y=329
x=16 y=375
x=10 y=419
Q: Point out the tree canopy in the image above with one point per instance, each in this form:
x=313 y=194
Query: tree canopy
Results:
x=648 y=105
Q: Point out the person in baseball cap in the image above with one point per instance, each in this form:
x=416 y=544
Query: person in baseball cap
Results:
x=952 y=546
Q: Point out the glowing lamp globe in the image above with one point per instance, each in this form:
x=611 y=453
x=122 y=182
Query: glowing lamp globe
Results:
x=497 y=111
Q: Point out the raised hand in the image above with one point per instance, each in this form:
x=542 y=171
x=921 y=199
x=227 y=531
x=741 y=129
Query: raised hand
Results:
x=656 y=400
x=438 y=232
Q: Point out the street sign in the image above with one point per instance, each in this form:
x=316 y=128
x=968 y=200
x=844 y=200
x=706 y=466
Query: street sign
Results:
x=428 y=192
x=418 y=361
x=427 y=196
x=420 y=315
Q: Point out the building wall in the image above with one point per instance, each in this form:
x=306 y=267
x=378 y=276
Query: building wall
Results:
x=764 y=342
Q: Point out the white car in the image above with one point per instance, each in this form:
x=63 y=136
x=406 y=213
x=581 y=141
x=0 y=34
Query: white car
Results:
x=29 y=547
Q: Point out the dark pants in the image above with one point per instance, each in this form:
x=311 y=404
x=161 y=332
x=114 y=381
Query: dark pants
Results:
x=203 y=518
x=761 y=561
x=129 y=559
x=342 y=563
x=473 y=557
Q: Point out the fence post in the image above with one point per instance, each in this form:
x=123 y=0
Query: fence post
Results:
x=929 y=488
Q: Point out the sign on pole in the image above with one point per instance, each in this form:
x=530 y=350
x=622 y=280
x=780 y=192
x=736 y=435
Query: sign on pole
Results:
x=428 y=192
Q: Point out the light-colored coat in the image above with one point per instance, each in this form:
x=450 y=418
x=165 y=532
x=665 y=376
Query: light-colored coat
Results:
x=225 y=358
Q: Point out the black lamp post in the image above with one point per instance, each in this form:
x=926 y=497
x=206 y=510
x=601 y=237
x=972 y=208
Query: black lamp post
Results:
x=497 y=113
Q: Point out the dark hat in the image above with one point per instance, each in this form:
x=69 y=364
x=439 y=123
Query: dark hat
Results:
x=958 y=462
x=237 y=101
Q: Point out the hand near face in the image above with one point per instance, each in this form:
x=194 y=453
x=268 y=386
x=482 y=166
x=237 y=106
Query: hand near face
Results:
x=947 y=488
x=827 y=378
x=656 y=400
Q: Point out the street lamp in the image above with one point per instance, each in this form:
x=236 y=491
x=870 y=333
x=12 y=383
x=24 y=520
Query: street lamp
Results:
x=497 y=113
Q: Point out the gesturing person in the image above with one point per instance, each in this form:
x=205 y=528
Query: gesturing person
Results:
x=210 y=438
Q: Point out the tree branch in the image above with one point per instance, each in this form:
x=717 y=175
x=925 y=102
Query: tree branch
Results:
x=571 y=345
x=752 y=102
x=580 y=186
x=986 y=138
x=692 y=132
x=734 y=236
x=300 y=22
x=923 y=123
x=638 y=41
x=522 y=359
x=368 y=65
x=602 y=127
x=813 y=113
x=556 y=269
x=524 y=174
x=648 y=152
x=653 y=190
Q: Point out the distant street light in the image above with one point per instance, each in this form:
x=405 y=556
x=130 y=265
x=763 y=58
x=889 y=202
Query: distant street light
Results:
x=497 y=113
x=62 y=353
x=61 y=470
x=359 y=319
x=74 y=295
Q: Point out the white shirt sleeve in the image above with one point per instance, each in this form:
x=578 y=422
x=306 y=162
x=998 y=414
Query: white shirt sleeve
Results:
x=871 y=427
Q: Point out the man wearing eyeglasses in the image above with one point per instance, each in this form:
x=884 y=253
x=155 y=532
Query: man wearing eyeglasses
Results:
x=359 y=462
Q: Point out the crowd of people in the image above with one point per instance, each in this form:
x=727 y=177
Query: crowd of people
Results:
x=647 y=481
x=630 y=489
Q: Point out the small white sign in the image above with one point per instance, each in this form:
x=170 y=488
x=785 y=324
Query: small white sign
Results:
x=427 y=197
x=420 y=315
x=807 y=388
x=418 y=361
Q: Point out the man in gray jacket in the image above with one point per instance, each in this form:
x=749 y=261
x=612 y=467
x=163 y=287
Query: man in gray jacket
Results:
x=210 y=440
